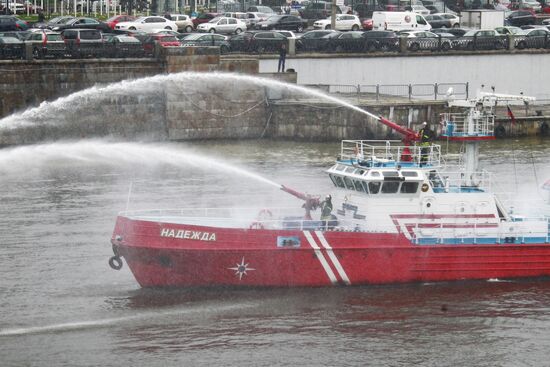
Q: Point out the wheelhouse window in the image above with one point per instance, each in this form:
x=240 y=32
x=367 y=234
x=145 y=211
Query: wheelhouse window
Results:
x=409 y=187
x=358 y=186
x=349 y=183
x=409 y=173
x=374 y=187
x=337 y=180
x=390 y=187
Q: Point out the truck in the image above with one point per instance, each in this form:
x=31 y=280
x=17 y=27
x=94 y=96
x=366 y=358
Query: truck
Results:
x=481 y=19
x=398 y=21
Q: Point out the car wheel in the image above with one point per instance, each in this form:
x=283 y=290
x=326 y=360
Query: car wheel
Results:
x=456 y=25
x=188 y=29
x=212 y=30
x=327 y=27
x=414 y=47
x=224 y=49
x=132 y=28
x=355 y=27
x=521 y=45
x=445 y=46
x=168 y=28
x=238 y=30
x=300 y=29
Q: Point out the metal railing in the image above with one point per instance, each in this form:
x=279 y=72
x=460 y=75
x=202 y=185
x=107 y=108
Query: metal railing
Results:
x=434 y=91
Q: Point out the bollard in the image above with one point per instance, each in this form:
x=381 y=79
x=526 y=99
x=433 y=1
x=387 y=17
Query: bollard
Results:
x=28 y=51
x=511 y=42
x=292 y=46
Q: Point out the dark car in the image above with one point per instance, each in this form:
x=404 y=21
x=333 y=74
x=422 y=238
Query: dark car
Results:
x=533 y=38
x=437 y=21
x=83 y=42
x=487 y=39
x=381 y=41
x=318 y=10
x=352 y=41
x=8 y=23
x=11 y=48
x=200 y=39
x=53 y=22
x=257 y=41
x=46 y=44
x=521 y=17
x=287 y=22
x=313 y=40
x=123 y=46
x=82 y=23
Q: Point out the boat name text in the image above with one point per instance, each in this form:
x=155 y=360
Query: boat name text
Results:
x=187 y=235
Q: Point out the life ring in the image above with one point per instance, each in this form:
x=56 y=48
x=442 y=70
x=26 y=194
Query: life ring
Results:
x=256 y=225
x=500 y=131
x=115 y=262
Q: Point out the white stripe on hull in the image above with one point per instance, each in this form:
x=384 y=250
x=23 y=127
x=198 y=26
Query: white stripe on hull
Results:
x=321 y=257
x=333 y=257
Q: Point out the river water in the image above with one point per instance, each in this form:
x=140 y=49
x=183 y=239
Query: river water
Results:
x=62 y=305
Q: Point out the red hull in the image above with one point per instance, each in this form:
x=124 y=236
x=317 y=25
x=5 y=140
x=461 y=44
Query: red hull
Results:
x=162 y=254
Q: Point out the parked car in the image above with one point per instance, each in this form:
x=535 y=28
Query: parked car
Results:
x=164 y=40
x=365 y=10
x=46 y=44
x=123 y=46
x=507 y=30
x=288 y=22
x=53 y=22
x=114 y=20
x=201 y=39
x=261 y=9
x=457 y=32
x=313 y=40
x=437 y=21
x=204 y=18
x=11 y=48
x=367 y=24
x=183 y=21
x=287 y=34
x=453 y=18
x=520 y=17
x=484 y=39
x=533 y=38
x=425 y=40
x=318 y=10
x=257 y=41
x=82 y=23
x=83 y=42
x=345 y=42
x=342 y=22
x=8 y=23
x=253 y=17
x=418 y=9
x=223 y=25
x=147 y=24
x=381 y=41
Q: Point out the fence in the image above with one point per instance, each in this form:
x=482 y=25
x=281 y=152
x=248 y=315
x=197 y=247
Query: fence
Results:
x=434 y=91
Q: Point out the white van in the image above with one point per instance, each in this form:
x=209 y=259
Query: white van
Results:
x=398 y=21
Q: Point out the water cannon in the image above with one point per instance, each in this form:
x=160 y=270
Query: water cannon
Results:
x=409 y=135
x=311 y=202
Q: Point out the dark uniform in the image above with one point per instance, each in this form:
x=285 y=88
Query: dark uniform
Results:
x=426 y=137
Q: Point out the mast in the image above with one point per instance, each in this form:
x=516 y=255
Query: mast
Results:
x=477 y=125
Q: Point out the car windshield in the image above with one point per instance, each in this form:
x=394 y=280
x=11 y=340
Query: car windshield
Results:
x=470 y=33
x=214 y=20
x=128 y=39
x=191 y=37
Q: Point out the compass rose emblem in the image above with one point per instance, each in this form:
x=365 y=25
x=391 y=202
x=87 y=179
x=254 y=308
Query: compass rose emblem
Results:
x=241 y=269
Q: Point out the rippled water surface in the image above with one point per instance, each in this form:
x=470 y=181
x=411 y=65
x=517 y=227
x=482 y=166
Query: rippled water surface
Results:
x=62 y=305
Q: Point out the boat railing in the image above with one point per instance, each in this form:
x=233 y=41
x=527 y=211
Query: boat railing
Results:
x=481 y=124
x=389 y=153
x=460 y=181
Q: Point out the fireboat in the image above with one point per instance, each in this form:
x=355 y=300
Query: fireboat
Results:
x=399 y=215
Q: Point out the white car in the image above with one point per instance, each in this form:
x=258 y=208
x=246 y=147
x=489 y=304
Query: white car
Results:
x=425 y=40
x=254 y=17
x=455 y=19
x=184 y=22
x=343 y=22
x=223 y=25
x=533 y=4
x=147 y=24
x=419 y=9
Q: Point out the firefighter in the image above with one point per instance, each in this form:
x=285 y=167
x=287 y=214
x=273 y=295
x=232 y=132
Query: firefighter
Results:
x=426 y=136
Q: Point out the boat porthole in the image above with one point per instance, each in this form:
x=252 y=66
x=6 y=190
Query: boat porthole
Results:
x=428 y=205
x=425 y=187
x=165 y=261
